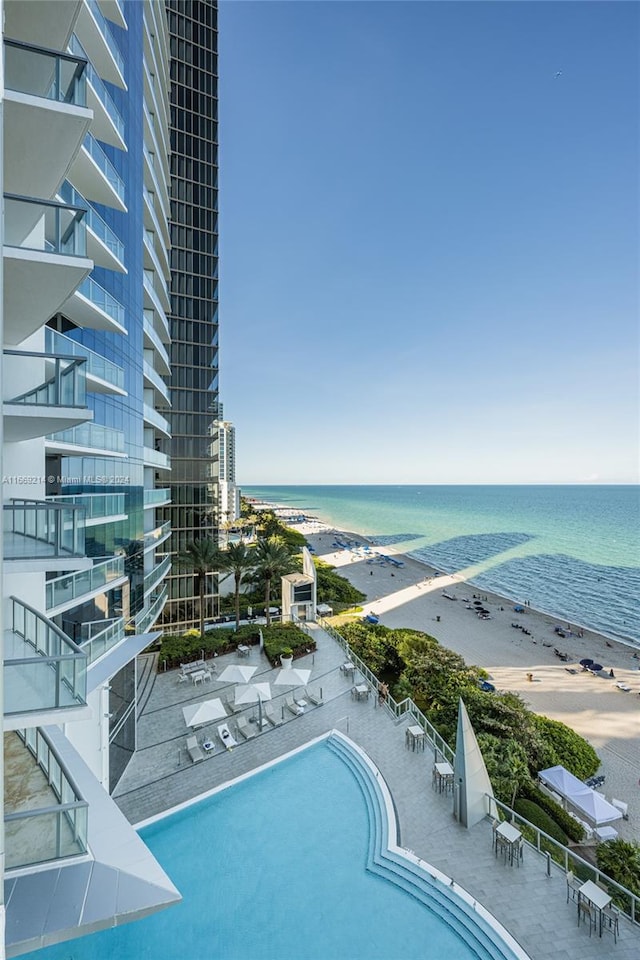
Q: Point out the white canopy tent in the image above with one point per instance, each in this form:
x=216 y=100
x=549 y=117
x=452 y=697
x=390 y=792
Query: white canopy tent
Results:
x=591 y=805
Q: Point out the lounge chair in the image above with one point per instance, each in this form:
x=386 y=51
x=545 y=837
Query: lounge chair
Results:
x=274 y=719
x=245 y=728
x=229 y=700
x=225 y=735
x=293 y=707
x=315 y=698
x=622 y=807
x=193 y=749
x=623 y=686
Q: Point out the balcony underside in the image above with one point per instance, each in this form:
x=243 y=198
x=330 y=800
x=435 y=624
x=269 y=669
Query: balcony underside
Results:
x=41 y=139
x=97 y=49
x=87 y=177
x=37 y=556
x=36 y=284
x=103 y=128
x=80 y=450
x=26 y=421
x=41 y=22
x=87 y=314
x=101 y=254
x=97 y=385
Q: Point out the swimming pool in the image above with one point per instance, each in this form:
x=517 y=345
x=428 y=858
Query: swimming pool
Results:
x=290 y=863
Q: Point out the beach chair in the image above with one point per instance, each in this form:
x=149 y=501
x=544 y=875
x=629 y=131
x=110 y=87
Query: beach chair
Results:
x=274 y=719
x=245 y=728
x=193 y=749
x=315 y=698
x=229 y=701
x=623 y=686
x=293 y=707
x=225 y=736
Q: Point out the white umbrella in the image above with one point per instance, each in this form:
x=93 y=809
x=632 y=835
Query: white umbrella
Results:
x=292 y=677
x=236 y=673
x=197 y=714
x=253 y=693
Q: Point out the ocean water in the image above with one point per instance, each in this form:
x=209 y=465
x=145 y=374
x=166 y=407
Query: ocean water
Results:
x=571 y=551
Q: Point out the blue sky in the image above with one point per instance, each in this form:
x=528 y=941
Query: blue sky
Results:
x=429 y=242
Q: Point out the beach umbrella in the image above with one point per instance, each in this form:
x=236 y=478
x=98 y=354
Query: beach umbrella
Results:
x=586 y=662
x=477 y=603
x=197 y=714
x=253 y=693
x=595 y=667
x=236 y=673
x=292 y=677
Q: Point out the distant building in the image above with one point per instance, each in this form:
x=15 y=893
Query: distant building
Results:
x=223 y=457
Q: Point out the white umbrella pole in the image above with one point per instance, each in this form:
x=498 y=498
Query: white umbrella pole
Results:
x=259 y=713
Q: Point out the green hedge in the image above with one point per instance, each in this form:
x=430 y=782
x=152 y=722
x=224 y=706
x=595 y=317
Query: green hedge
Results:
x=187 y=647
x=280 y=636
x=566 y=823
x=569 y=748
x=539 y=818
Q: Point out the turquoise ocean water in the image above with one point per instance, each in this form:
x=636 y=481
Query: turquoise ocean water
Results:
x=572 y=551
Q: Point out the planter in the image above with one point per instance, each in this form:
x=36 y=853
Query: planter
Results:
x=286 y=661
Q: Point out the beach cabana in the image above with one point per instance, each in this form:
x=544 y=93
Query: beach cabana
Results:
x=585 y=801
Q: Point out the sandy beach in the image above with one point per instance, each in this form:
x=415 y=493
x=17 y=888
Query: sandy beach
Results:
x=413 y=596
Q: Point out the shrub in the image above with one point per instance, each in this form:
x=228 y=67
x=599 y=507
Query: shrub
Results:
x=620 y=860
x=569 y=748
x=285 y=636
x=334 y=589
x=570 y=826
x=539 y=818
x=177 y=649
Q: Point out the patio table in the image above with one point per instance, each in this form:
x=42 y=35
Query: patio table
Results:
x=415 y=738
x=512 y=837
x=443 y=776
x=597 y=897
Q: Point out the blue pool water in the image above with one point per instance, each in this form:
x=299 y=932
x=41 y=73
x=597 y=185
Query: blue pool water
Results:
x=274 y=867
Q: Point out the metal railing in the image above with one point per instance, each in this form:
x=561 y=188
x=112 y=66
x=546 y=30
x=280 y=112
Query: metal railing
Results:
x=101 y=91
x=100 y=298
x=97 y=506
x=45 y=226
x=75 y=585
x=158 y=573
x=96 y=365
x=154 y=537
x=399 y=709
x=55 y=676
x=157 y=496
x=58 y=831
x=105 y=166
x=94 y=221
x=67 y=387
x=99 y=636
x=145 y=619
x=57 y=527
x=92 y=435
x=45 y=73
x=566 y=859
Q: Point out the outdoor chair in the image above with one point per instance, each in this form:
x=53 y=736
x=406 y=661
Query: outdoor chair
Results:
x=293 y=707
x=315 y=698
x=585 y=910
x=274 y=719
x=610 y=921
x=193 y=749
x=183 y=678
x=494 y=823
x=573 y=885
x=230 y=703
x=225 y=736
x=245 y=728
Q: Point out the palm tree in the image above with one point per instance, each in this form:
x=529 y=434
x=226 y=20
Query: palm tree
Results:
x=201 y=557
x=239 y=560
x=273 y=558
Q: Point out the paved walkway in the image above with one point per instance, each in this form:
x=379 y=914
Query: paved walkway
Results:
x=531 y=906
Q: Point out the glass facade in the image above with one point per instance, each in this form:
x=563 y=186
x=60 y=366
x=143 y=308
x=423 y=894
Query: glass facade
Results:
x=194 y=288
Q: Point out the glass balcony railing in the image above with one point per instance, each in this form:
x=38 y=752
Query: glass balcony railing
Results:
x=50 y=832
x=103 y=300
x=45 y=226
x=151 y=415
x=158 y=573
x=94 y=221
x=157 y=496
x=159 y=346
x=51 y=671
x=155 y=458
x=154 y=377
x=148 y=617
x=93 y=435
x=105 y=30
x=98 y=85
x=99 y=636
x=37 y=529
x=96 y=365
x=103 y=163
x=76 y=585
x=66 y=387
x=45 y=73
x=97 y=506
x=157 y=536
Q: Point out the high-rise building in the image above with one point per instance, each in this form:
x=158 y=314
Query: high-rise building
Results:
x=85 y=335
x=223 y=468
x=193 y=31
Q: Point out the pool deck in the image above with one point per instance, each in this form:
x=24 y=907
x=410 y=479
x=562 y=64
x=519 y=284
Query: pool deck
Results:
x=529 y=904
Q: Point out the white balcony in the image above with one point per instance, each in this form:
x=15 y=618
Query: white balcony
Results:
x=155 y=458
x=93 y=174
x=45 y=260
x=153 y=379
x=156 y=497
x=153 y=221
x=102 y=375
x=112 y=9
x=45 y=23
x=63 y=593
x=93 y=307
x=45 y=118
x=95 y=35
x=87 y=440
x=151 y=416
x=42 y=393
x=40 y=536
x=98 y=507
x=151 y=339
